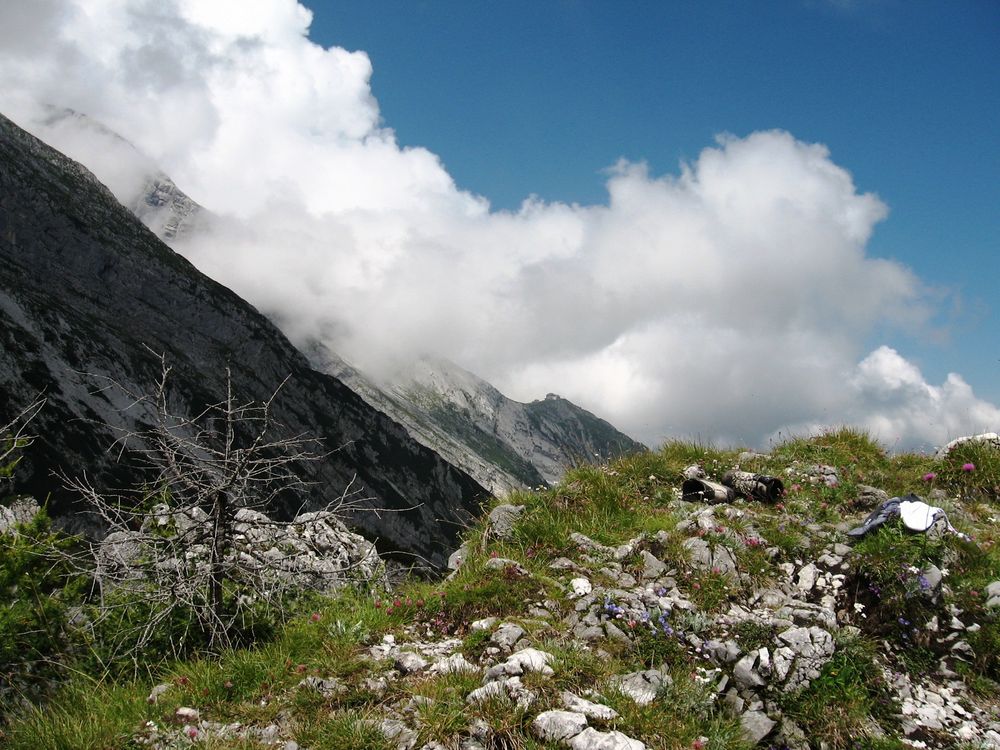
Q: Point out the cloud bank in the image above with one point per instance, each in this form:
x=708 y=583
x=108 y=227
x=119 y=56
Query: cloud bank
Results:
x=729 y=301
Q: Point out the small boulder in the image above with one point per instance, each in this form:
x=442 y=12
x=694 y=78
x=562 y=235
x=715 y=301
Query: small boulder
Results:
x=503 y=518
x=591 y=739
x=558 y=726
x=756 y=725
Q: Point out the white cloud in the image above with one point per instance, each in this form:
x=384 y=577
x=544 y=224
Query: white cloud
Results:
x=894 y=401
x=726 y=301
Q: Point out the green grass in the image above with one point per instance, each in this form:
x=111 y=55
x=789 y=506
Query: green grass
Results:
x=85 y=716
x=343 y=730
x=840 y=705
x=683 y=711
x=632 y=497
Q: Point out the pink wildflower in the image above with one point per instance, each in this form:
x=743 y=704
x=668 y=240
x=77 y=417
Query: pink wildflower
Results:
x=968 y=467
x=315 y=617
x=930 y=476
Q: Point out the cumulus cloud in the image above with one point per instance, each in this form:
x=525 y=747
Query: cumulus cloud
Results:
x=726 y=301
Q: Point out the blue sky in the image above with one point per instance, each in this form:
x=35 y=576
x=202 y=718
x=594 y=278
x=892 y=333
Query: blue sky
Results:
x=750 y=219
x=522 y=98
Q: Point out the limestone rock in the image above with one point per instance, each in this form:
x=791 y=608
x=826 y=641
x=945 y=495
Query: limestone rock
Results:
x=408 y=662
x=756 y=725
x=21 y=511
x=526 y=660
x=746 y=672
x=651 y=566
x=327 y=687
x=456 y=558
x=455 y=663
x=871 y=497
x=588 y=708
x=591 y=739
x=396 y=731
x=558 y=726
x=505 y=687
x=988 y=438
x=187 y=714
x=507 y=565
x=812 y=648
x=706 y=557
x=642 y=687
x=507 y=635
x=502 y=519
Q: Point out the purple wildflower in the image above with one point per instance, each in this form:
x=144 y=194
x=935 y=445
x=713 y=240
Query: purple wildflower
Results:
x=968 y=467
x=930 y=476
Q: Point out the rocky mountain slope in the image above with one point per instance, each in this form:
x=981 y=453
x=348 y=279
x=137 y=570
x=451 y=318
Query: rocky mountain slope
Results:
x=503 y=444
x=609 y=613
x=87 y=291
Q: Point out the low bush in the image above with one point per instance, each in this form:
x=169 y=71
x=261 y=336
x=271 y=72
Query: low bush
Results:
x=38 y=592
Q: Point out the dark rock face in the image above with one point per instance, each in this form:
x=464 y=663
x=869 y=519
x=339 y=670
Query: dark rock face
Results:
x=503 y=443
x=85 y=288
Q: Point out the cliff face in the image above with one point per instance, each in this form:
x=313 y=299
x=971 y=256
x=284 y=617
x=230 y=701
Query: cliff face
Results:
x=86 y=290
x=500 y=442
x=504 y=444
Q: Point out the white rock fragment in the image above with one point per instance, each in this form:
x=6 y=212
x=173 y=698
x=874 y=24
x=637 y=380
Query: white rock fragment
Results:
x=642 y=687
x=591 y=739
x=558 y=726
x=507 y=635
x=756 y=725
x=187 y=714
x=807 y=577
x=456 y=663
x=588 y=708
x=408 y=662
x=526 y=660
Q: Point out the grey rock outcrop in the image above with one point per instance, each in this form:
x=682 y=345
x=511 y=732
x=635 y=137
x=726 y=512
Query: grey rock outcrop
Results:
x=503 y=443
x=19 y=512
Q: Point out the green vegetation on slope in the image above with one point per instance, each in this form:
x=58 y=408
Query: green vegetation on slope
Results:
x=892 y=628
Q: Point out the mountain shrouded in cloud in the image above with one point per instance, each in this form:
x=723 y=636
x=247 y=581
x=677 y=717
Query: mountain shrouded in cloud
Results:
x=731 y=300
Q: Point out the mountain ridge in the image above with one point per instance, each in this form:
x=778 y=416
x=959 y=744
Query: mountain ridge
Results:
x=85 y=287
x=504 y=444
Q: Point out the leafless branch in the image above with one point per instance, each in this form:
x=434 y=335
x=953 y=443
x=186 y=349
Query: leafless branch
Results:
x=196 y=536
x=14 y=435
